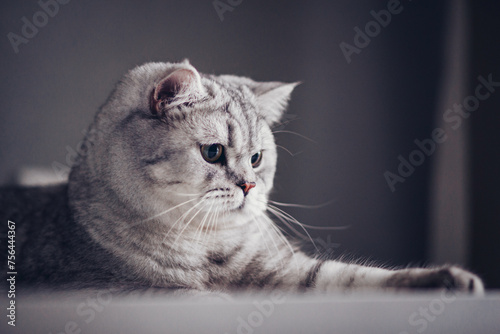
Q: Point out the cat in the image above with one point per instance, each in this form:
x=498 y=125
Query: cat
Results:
x=171 y=190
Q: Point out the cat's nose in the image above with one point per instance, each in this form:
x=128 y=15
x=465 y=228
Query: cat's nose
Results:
x=246 y=186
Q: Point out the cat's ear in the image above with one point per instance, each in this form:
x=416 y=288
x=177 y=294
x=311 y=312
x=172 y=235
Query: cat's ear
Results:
x=181 y=86
x=272 y=99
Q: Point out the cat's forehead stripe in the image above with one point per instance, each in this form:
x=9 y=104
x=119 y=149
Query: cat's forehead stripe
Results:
x=237 y=134
x=246 y=117
x=230 y=134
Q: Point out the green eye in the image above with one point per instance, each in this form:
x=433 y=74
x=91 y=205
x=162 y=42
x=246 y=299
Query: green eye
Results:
x=212 y=153
x=256 y=159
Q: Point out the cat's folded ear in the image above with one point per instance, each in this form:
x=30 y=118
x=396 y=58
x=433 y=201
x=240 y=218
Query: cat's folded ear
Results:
x=272 y=99
x=181 y=86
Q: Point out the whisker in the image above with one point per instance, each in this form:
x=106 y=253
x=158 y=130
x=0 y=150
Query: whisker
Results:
x=223 y=218
x=285 y=222
x=185 y=227
x=307 y=207
x=288 y=151
x=287 y=233
x=217 y=212
x=182 y=194
x=302 y=206
x=209 y=223
x=167 y=211
x=265 y=242
x=292 y=220
x=297 y=134
x=157 y=215
x=285 y=218
x=199 y=229
x=181 y=218
x=283 y=239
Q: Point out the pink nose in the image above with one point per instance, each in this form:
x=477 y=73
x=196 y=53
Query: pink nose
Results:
x=246 y=187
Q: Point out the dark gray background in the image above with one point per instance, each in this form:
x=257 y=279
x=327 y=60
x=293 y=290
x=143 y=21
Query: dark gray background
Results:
x=361 y=115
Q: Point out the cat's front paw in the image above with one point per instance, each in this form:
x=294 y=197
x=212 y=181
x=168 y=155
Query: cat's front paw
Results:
x=449 y=277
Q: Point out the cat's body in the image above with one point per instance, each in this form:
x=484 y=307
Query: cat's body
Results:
x=50 y=248
x=171 y=192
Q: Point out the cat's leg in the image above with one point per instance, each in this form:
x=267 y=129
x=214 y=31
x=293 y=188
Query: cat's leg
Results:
x=335 y=276
x=300 y=272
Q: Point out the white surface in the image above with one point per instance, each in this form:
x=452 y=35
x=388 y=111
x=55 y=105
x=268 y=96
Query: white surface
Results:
x=369 y=313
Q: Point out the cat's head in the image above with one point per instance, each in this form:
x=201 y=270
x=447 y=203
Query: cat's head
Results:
x=169 y=135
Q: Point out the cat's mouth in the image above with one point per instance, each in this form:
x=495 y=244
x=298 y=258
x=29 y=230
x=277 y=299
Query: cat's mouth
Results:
x=225 y=199
x=242 y=205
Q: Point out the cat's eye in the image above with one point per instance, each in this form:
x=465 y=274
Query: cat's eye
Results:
x=256 y=159
x=212 y=153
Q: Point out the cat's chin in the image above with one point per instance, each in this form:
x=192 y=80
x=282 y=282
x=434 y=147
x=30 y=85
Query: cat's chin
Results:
x=250 y=209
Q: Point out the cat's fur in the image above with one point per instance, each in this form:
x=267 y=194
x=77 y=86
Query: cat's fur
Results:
x=142 y=207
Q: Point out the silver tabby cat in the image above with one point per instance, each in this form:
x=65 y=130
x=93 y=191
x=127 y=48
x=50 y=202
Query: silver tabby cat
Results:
x=171 y=192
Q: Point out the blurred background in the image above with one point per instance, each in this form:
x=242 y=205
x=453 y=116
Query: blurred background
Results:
x=377 y=75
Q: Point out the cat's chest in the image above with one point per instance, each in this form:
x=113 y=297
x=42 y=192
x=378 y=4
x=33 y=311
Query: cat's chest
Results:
x=199 y=261
x=218 y=248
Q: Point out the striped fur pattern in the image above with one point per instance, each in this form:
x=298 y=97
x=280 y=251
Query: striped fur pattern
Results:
x=144 y=208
